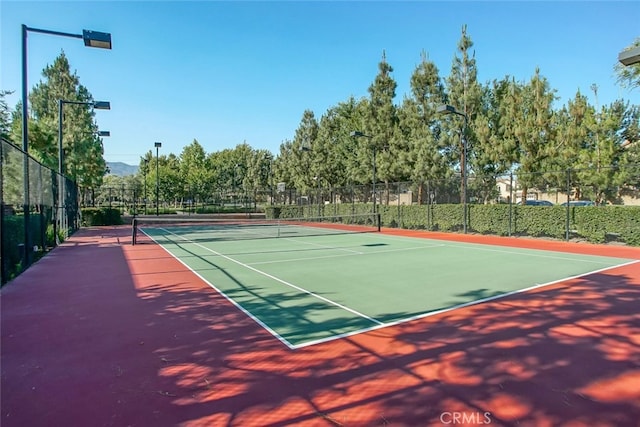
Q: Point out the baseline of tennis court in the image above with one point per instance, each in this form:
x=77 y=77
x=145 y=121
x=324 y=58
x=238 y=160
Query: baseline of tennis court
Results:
x=311 y=289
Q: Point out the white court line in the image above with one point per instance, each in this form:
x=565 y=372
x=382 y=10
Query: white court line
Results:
x=277 y=279
x=518 y=251
x=343 y=255
x=455 y=307
x=527 y=254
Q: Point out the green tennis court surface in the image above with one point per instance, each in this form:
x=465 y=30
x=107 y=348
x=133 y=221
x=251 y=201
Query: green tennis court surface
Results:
x=311 y=289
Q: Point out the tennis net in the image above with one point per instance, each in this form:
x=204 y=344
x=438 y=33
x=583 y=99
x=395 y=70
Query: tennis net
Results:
x=149 y=229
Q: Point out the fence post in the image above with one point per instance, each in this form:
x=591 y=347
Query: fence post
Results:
x=2 y=256
x=567 y=225
x=510 y=202
x=353 y=200
x=398 y=192
x=134 y=227
x=429 y=201
x=26 y=210
x=135 y=203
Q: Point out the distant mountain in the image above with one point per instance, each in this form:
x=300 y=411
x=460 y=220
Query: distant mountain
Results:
x=121 y=169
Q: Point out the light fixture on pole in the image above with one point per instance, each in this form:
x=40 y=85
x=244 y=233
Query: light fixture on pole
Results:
x=448 y=109
x=629 y=56
x=91 y=39
x=157 y=145
x=358 y=134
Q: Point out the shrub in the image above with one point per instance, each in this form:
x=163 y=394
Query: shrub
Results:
x=596 y=224
x=101 y=216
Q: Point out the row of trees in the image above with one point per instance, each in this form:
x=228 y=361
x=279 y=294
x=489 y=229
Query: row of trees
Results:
x=512 y=126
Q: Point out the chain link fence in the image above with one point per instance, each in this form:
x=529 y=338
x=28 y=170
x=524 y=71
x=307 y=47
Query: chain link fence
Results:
x=133 y=201
x=38 y=209
x=613 y=186
x=598 y=204
x=510 y=205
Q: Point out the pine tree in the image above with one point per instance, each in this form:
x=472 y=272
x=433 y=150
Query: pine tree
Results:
x=302 y=152
x=82 y=148
x=532 y=128
x=463 y=93
x=418 y=124
x=494 y=147
x=382 y=126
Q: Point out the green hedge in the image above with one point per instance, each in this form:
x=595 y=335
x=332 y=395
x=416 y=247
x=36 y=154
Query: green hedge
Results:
x=600 y=224
x=596 y=224
x=539 y=221
x=101 y=216
x=13 y=237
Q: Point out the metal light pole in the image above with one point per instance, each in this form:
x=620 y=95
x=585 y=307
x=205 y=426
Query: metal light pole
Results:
x=317 y=178
x=448 y=109
x=98 y=105
x=146 y=165
x=233 y=186
x=157 y=145
x=357 y=134
x=270 y=178
x=91 y=39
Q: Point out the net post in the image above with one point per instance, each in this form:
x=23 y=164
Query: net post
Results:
x=134 y=228
x=378 y=221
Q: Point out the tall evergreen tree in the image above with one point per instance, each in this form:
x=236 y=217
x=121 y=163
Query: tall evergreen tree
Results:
x=355 y=152
x=283 y=165
x=533 y=130
x=302 y=152
x=574 y=124
x=328 y=165
x=605 y=154
x=418 y=124
x=382 y=125
x=82 y=148
x=465 y=94
x=494 y=147
x=338 y=163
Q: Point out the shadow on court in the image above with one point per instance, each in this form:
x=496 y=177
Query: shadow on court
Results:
x=101 y=333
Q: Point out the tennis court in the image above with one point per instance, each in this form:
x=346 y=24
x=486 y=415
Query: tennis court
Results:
x=156 y=345
x=308 y=283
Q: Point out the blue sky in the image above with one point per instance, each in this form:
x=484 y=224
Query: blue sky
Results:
x=228 y=72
